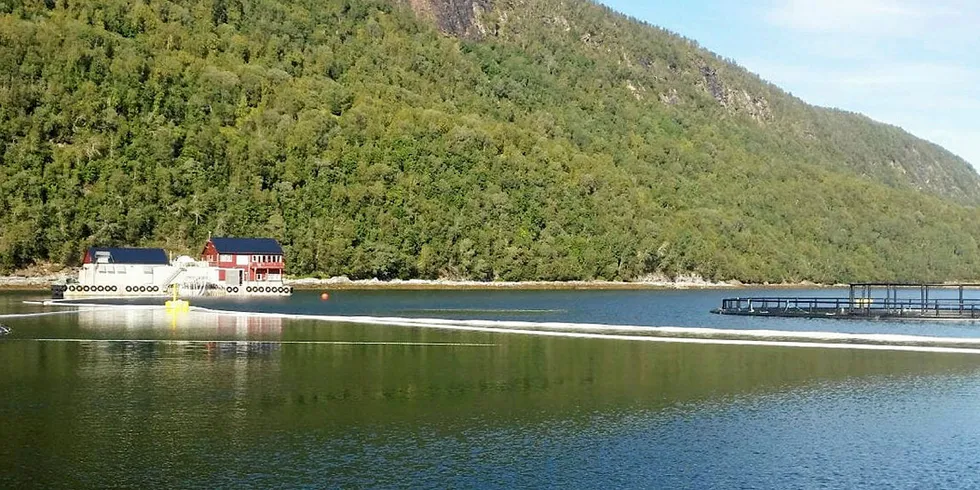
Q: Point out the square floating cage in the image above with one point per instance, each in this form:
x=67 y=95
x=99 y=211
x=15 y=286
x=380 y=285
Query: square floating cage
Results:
x=868 y=300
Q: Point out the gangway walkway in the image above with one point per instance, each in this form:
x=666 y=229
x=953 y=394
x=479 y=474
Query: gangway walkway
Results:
x=170 y=280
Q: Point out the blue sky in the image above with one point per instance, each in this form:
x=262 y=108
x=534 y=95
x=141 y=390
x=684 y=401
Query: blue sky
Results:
x=911 y=63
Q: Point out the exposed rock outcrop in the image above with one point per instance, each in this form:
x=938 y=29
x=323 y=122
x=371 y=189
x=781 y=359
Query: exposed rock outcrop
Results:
x=457 y=17
x=735 y=100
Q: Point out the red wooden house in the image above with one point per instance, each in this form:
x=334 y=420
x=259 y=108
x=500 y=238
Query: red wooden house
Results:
x=241 y=260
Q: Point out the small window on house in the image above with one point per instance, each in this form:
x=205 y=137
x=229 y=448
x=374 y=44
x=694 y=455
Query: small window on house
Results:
x=225 y=258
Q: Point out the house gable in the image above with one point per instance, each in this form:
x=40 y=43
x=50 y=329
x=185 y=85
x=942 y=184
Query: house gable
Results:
x=237 y=246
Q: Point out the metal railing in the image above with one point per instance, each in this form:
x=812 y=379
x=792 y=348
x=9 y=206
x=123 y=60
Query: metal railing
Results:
x=858 y=307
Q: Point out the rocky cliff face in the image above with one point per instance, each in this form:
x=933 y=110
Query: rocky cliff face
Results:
x=479 y=19
x=736 y=100
x=460 y=18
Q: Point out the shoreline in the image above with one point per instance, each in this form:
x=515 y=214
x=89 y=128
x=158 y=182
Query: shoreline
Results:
x=343 y=283
x=44 y=282
x=28 y=283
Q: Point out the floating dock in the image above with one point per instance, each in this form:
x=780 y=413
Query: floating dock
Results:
x=869 y=301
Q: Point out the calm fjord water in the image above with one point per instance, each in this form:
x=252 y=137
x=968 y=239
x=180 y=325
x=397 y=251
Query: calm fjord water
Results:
x=110 y=397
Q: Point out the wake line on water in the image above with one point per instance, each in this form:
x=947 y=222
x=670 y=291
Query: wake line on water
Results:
x=687 y=335
x=684 y=335
x=476 y=310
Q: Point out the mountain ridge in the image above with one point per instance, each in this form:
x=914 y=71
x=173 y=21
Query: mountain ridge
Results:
x=918 y=163
x=374 y=145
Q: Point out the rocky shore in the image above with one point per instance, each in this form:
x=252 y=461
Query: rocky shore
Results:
x=35 y=280
x=648 y=282
x=30 y=282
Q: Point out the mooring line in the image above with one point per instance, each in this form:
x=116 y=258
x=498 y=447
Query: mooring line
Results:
x=45 y=313
x=280 y=342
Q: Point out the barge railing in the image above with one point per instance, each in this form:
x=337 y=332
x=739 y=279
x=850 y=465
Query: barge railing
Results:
x=870 y=307
x=874 y=300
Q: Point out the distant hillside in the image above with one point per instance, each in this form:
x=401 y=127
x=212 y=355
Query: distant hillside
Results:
x=459 y=138
x=657 y=66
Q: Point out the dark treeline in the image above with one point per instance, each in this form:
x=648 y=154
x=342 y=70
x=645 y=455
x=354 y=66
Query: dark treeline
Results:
x=372 y=145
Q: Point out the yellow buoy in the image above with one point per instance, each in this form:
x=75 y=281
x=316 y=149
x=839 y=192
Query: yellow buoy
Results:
x=175 y=304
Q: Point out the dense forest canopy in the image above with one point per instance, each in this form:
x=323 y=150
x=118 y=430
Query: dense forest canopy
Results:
x=549 y=140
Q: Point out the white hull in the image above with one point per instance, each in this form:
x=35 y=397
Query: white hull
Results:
x=148 y=291
x=256 y=289
x=193 y=278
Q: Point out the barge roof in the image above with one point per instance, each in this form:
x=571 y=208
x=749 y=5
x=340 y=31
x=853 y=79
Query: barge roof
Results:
x=143 y=256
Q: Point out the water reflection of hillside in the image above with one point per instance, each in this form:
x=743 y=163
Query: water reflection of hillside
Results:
x=527 y=377
x=241 y=350
x=253 y=399
x=143 y=318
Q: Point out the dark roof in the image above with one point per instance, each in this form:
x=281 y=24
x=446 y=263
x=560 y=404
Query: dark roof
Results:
x=131 y=255
x=246 y=246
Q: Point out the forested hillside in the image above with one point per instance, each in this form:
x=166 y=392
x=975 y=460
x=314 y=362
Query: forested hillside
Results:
x=465 y=139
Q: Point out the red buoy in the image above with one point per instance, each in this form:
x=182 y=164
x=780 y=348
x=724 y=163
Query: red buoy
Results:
x=324 y=296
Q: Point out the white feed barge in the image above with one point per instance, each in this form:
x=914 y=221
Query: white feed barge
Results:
x=137 y=272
